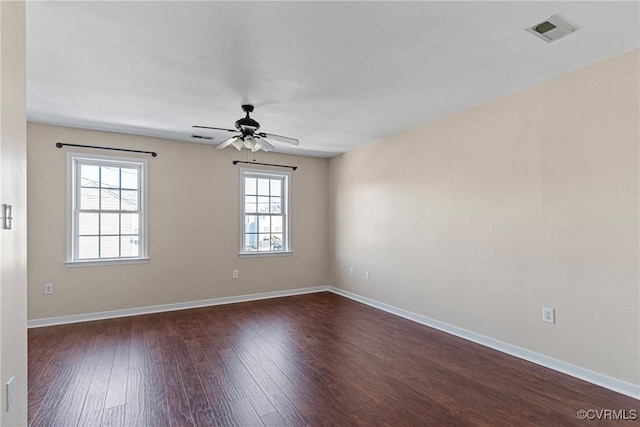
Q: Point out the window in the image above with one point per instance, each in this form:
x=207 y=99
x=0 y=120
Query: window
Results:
x=107 y=219
x=265 y=206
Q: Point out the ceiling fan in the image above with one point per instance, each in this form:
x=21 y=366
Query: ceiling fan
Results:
x=248 y=136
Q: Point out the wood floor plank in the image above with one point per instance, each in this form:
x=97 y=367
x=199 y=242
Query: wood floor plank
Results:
x=233 y=367
x=287 y=371
x=54 y=360
x=201 y=411
x=200 y=408
x=112 y=417
x=273 y=419
x=317 y=359
x=245 y=413
x=39 y=357
x=96 y=394
x=135 y=413
x=178 y=405
x=280 y=401
x=220 y=406
x=70 y=404
x=155 y=394
x=55 y=400
x=218 y=372
x=117 y=388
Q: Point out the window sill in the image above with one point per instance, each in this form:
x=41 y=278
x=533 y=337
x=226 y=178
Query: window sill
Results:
x=264 y=254
x=95 y=262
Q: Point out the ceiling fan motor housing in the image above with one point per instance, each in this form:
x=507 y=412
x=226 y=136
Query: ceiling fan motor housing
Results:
x=247 y=125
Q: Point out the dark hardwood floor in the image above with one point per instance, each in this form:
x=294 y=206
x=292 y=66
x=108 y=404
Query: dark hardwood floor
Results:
x=317 y=359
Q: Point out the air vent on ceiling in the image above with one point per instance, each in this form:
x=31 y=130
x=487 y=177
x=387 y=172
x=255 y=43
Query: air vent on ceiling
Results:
x=209 y=138
x=551 y=29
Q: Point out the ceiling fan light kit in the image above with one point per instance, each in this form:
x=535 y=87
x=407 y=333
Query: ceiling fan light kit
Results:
x=237 y=142
x=249 y=136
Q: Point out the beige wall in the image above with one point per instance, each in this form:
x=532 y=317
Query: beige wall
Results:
x=13 y=182
x=193 y=228
x=480 y=219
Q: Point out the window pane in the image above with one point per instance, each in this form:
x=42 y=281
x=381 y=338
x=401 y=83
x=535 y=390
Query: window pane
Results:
x=263 y=204
x=276 y=224
x=275 y=205
x=110 y=177
x=264 y=224
x=129 y=223
x=129 y=246
x=276 y=186
x=88 y=224
x=87 y=247
x=110 y=224
x=89 y=176
x=249 y=186
x=250 y=224
x=129 y=200
x=276 y=242
x=89 y=198
x=110 y=199
x=263 y=187
x=264 y=242
x=129 y=178
x=251 y=242
x=109 y=247
x=250 y=204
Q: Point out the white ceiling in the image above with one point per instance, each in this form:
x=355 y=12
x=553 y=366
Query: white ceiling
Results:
x=336 y=75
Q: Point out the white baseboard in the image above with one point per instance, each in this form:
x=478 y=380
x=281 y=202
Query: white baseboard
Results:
x=596 y=378
x=619 y=386
x=62 y=320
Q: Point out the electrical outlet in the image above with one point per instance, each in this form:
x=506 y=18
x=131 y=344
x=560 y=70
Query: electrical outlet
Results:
x=48 y=288
x=367 y=275
x=350 y=271
x=11 y=393
x=548 y=315
x=235 y=274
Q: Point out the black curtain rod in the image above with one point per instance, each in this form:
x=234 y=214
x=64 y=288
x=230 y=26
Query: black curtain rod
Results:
x=235 y=162
x=61 y=144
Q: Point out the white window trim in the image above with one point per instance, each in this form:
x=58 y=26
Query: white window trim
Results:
x=71 y=200
x=287 y=233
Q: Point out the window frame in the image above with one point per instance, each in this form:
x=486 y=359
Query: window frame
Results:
x=285 y=206
x=74 y=160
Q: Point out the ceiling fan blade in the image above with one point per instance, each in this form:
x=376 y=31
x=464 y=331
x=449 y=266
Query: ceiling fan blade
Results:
x=208 y=127
x=226 y=143
x=280 y=138
x=265 y=145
